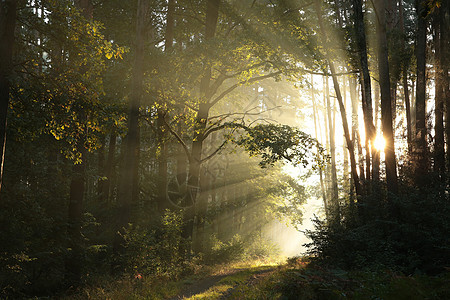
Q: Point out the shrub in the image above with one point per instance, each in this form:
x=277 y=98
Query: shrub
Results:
x=220 y=252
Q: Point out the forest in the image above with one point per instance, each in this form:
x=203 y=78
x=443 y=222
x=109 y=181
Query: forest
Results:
x=175 y=149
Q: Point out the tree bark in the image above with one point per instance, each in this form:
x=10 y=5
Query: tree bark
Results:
x=405 y=67
x=162 y=162
x=109 y=167
x=331 y=132
x=445 y=53
x=366 y=88
x=8 y=11
x=212 y=14
x=322 y=187
x=439 y=154
x=131 y=156
x=74 y=259
x=341 y=103
x=386 y=103
x=161 y=114
x=421 y=166
x=101 y=171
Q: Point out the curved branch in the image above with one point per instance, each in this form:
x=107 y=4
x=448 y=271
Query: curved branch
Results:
x=179 y=139
x=233 y=87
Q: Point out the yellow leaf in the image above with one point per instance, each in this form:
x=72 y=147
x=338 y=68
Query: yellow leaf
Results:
x=109 y=55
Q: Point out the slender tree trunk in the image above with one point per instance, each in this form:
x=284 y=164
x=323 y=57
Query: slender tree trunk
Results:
x=101 y=171
x=162 y=162
x=355 y=126
x=161 y=114
x=341 y=105
x=377 y=104
x=331 y=132
x=366 y=88
x=128 y=182
x=344 y=148
x=74 y=259
x=212 y=14
x=322 y=187
x=386 y=104
x=421 y=166
x=8 y=11
x=327 y=138
x=109 y=167
x=405 y=66
x=439 y=154
x=445 y=62
x=181 y=161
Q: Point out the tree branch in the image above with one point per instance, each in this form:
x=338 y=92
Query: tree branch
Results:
x=233 y=87
x=215 y=152
x=179 y=139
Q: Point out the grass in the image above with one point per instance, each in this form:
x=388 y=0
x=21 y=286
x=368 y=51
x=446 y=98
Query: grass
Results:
x=298 y=280
x=156 y=288
x=229 y=283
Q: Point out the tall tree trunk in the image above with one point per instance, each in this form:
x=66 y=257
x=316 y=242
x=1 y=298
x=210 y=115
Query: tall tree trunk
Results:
x=421 y=166
x=345 y=184
x=439 y=154
x=109 y=167
x=8 y=11
x=366 y=88
x=377 y=104
x=162 y=161
x=405 y=67
x=327 y=170
x=334 y=207
x=322 y=187
x=386 y=104
x=101 y=171
x=445 y=61
x=131 y=150
x=74 y=259
x=161 y=114
x=212 y=14
x=341 y=103
x=355 y=126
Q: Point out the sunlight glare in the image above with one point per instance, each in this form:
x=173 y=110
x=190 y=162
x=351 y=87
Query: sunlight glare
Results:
x=379 y=143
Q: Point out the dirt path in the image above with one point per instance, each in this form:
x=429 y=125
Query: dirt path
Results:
x=205 y=284
x=253 y=280
x=202 y=285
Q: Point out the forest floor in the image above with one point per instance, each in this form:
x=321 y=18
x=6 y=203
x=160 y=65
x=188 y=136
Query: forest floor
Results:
x=226 y=285
x=225 y=281
x=295 y=278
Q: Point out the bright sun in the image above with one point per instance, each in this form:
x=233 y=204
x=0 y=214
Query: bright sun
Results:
x=379 y=143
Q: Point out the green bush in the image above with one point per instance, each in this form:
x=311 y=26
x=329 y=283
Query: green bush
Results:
x=156 y=250
x=220 y=252
x=258 y=247
x=408 y=234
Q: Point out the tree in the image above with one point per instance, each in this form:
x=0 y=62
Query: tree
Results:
x=421 y=165
x=128 y=190
x=386 y=103
x=439 y=60
x=7 y=27
x=341 y=103
x=366 y=87
x=77 y=185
